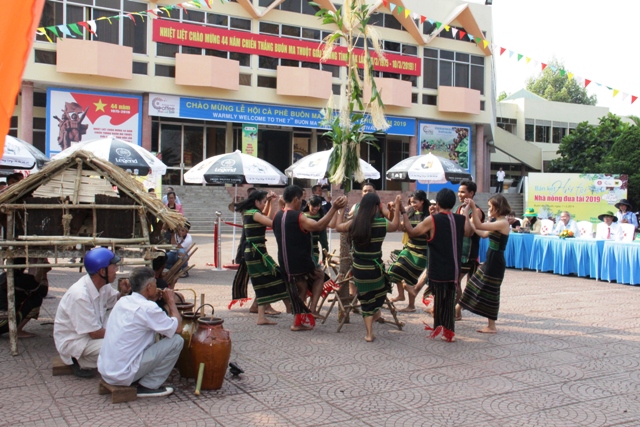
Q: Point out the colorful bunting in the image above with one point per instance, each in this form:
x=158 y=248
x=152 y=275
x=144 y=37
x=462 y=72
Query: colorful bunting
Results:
x=76 y=29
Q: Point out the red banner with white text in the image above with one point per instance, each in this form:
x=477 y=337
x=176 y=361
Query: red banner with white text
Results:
x=178 y=33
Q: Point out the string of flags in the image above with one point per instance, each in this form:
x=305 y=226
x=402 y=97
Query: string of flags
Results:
x=76 y=29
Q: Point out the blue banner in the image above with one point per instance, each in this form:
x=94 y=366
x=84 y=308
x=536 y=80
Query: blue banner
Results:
x=263 y=114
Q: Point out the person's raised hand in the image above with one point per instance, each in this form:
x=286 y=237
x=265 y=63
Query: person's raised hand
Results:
x=340 y=202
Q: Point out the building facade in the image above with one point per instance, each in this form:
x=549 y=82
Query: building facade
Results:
x=183 y=83
x=530 y=129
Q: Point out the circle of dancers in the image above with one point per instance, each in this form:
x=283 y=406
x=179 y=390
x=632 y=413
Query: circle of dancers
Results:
x=440 y=248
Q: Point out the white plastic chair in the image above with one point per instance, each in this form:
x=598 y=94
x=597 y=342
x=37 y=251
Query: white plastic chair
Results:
x=586 y=229
x=628 y=232
x=546 y=227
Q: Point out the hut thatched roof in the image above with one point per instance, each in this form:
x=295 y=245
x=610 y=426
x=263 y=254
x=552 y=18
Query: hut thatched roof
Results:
x=115 y=175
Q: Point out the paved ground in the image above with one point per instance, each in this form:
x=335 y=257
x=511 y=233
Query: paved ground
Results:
x=567 y=354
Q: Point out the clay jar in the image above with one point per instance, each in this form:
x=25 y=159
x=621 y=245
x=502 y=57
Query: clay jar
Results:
x=189 y=326
x=184 y=307
x=211 y=345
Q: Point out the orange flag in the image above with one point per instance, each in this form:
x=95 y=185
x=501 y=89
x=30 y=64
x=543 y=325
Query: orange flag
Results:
x=18 y=23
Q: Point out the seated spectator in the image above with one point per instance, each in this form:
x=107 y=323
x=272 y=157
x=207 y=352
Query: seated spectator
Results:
x=513 y=222
x=81 y=318
x=130 y=353
x=183 y=241
x=29 y=293
x=608 y=229
x=531 y=222
x=566 y=223
x=625 y=214
x=172 y=202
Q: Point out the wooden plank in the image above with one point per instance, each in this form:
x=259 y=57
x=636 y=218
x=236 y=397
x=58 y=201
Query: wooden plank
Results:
x=119 y=394
x=60 y=368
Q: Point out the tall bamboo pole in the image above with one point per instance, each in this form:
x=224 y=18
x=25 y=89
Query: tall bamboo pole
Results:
x=11 y=290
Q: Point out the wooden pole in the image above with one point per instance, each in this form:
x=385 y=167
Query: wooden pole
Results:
x=57 y=206
x=76 y=186
x=142 y=213
x=11 y=290
x=201 y=305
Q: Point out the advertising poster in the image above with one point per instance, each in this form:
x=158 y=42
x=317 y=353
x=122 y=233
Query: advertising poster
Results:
x=585 y=196
x=75 y=116
x=250 y=139
x=447 y=140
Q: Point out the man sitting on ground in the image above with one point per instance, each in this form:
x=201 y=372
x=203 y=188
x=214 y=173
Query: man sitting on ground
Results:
x=129 y=353
x=566 y=223
x=81 y=318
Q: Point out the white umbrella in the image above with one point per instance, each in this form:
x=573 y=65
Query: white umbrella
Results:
x=19 y=154
x=235 y=168
x=428 y=169
x=130 y=157
x=316 y=165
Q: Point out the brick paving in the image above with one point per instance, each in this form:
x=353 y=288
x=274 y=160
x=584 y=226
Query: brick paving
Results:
x=567 y=354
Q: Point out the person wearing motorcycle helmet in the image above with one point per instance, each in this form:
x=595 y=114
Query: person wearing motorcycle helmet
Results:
x=81 y=317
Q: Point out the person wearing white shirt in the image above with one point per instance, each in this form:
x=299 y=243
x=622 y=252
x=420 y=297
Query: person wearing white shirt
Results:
x=500 y=177
x=566 y=223
x=81 y=317
x=130 y=353
x=183 y=241
x=165 y=199
x=608 y=229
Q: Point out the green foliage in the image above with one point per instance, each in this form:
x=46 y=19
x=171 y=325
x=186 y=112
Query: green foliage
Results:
x=624 y=158
x=584 y=148
x=502 y=96
x=556 y=86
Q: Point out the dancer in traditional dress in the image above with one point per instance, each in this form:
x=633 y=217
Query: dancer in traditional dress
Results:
x=314 y=212
x=292 y=229
x=446 y=231
x=482 y=294
x=367 y=231
x=470 y=245
x=267 y=281
x=412 y=260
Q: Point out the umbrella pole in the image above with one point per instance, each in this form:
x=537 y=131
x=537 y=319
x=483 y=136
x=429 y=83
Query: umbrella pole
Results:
x=233 y=245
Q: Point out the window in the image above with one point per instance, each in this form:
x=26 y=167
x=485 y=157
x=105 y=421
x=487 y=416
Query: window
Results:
x=45 y=57
x=414 y=98
x=543 y=131
x=165 y=70
x=270 y=82
x=296 y=6
x=461 y=70
x=124 y=32
x=560 y=129
x=245 y=79
x=429 y=99
x=39 y=99
x=13 y=126
x=385 y=20
x=140 y=68
x=529 y=130
x=430 y=69
x=510 y=125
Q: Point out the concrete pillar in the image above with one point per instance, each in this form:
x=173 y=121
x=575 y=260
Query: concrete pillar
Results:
x=146 y=123
x=228 y=144
x=483 y=168
x=413 y=151
x=25 y=124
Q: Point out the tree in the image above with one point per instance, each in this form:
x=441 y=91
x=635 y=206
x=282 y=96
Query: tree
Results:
x=583 y=149
x=556 y=86
x=624 y=158
x=348 y=126
x=502 y=96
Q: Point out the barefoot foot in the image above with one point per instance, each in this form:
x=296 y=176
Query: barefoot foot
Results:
x=407 y=310
x=266 y=322
x=301 y=328
x=487 y=330
x=397 y=299
x=23 y=334
x=369 y=338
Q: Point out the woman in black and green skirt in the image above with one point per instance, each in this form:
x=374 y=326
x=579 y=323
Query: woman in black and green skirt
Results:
x=412 y=260
x=314 y=211
x=263 y=270
x=367 y=233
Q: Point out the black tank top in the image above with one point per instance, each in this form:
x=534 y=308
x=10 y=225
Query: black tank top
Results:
x=445 y=247
x=294 y=244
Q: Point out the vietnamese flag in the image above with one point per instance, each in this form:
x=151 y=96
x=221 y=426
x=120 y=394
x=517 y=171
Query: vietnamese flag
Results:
x=119 y=109
x=18 y=23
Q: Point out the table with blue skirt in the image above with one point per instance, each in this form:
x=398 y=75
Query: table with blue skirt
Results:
x=621 y=262
x=598 y=259
x=518 y=252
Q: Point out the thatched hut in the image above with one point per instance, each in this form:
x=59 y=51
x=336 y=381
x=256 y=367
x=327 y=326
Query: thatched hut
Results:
x=69 y=207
